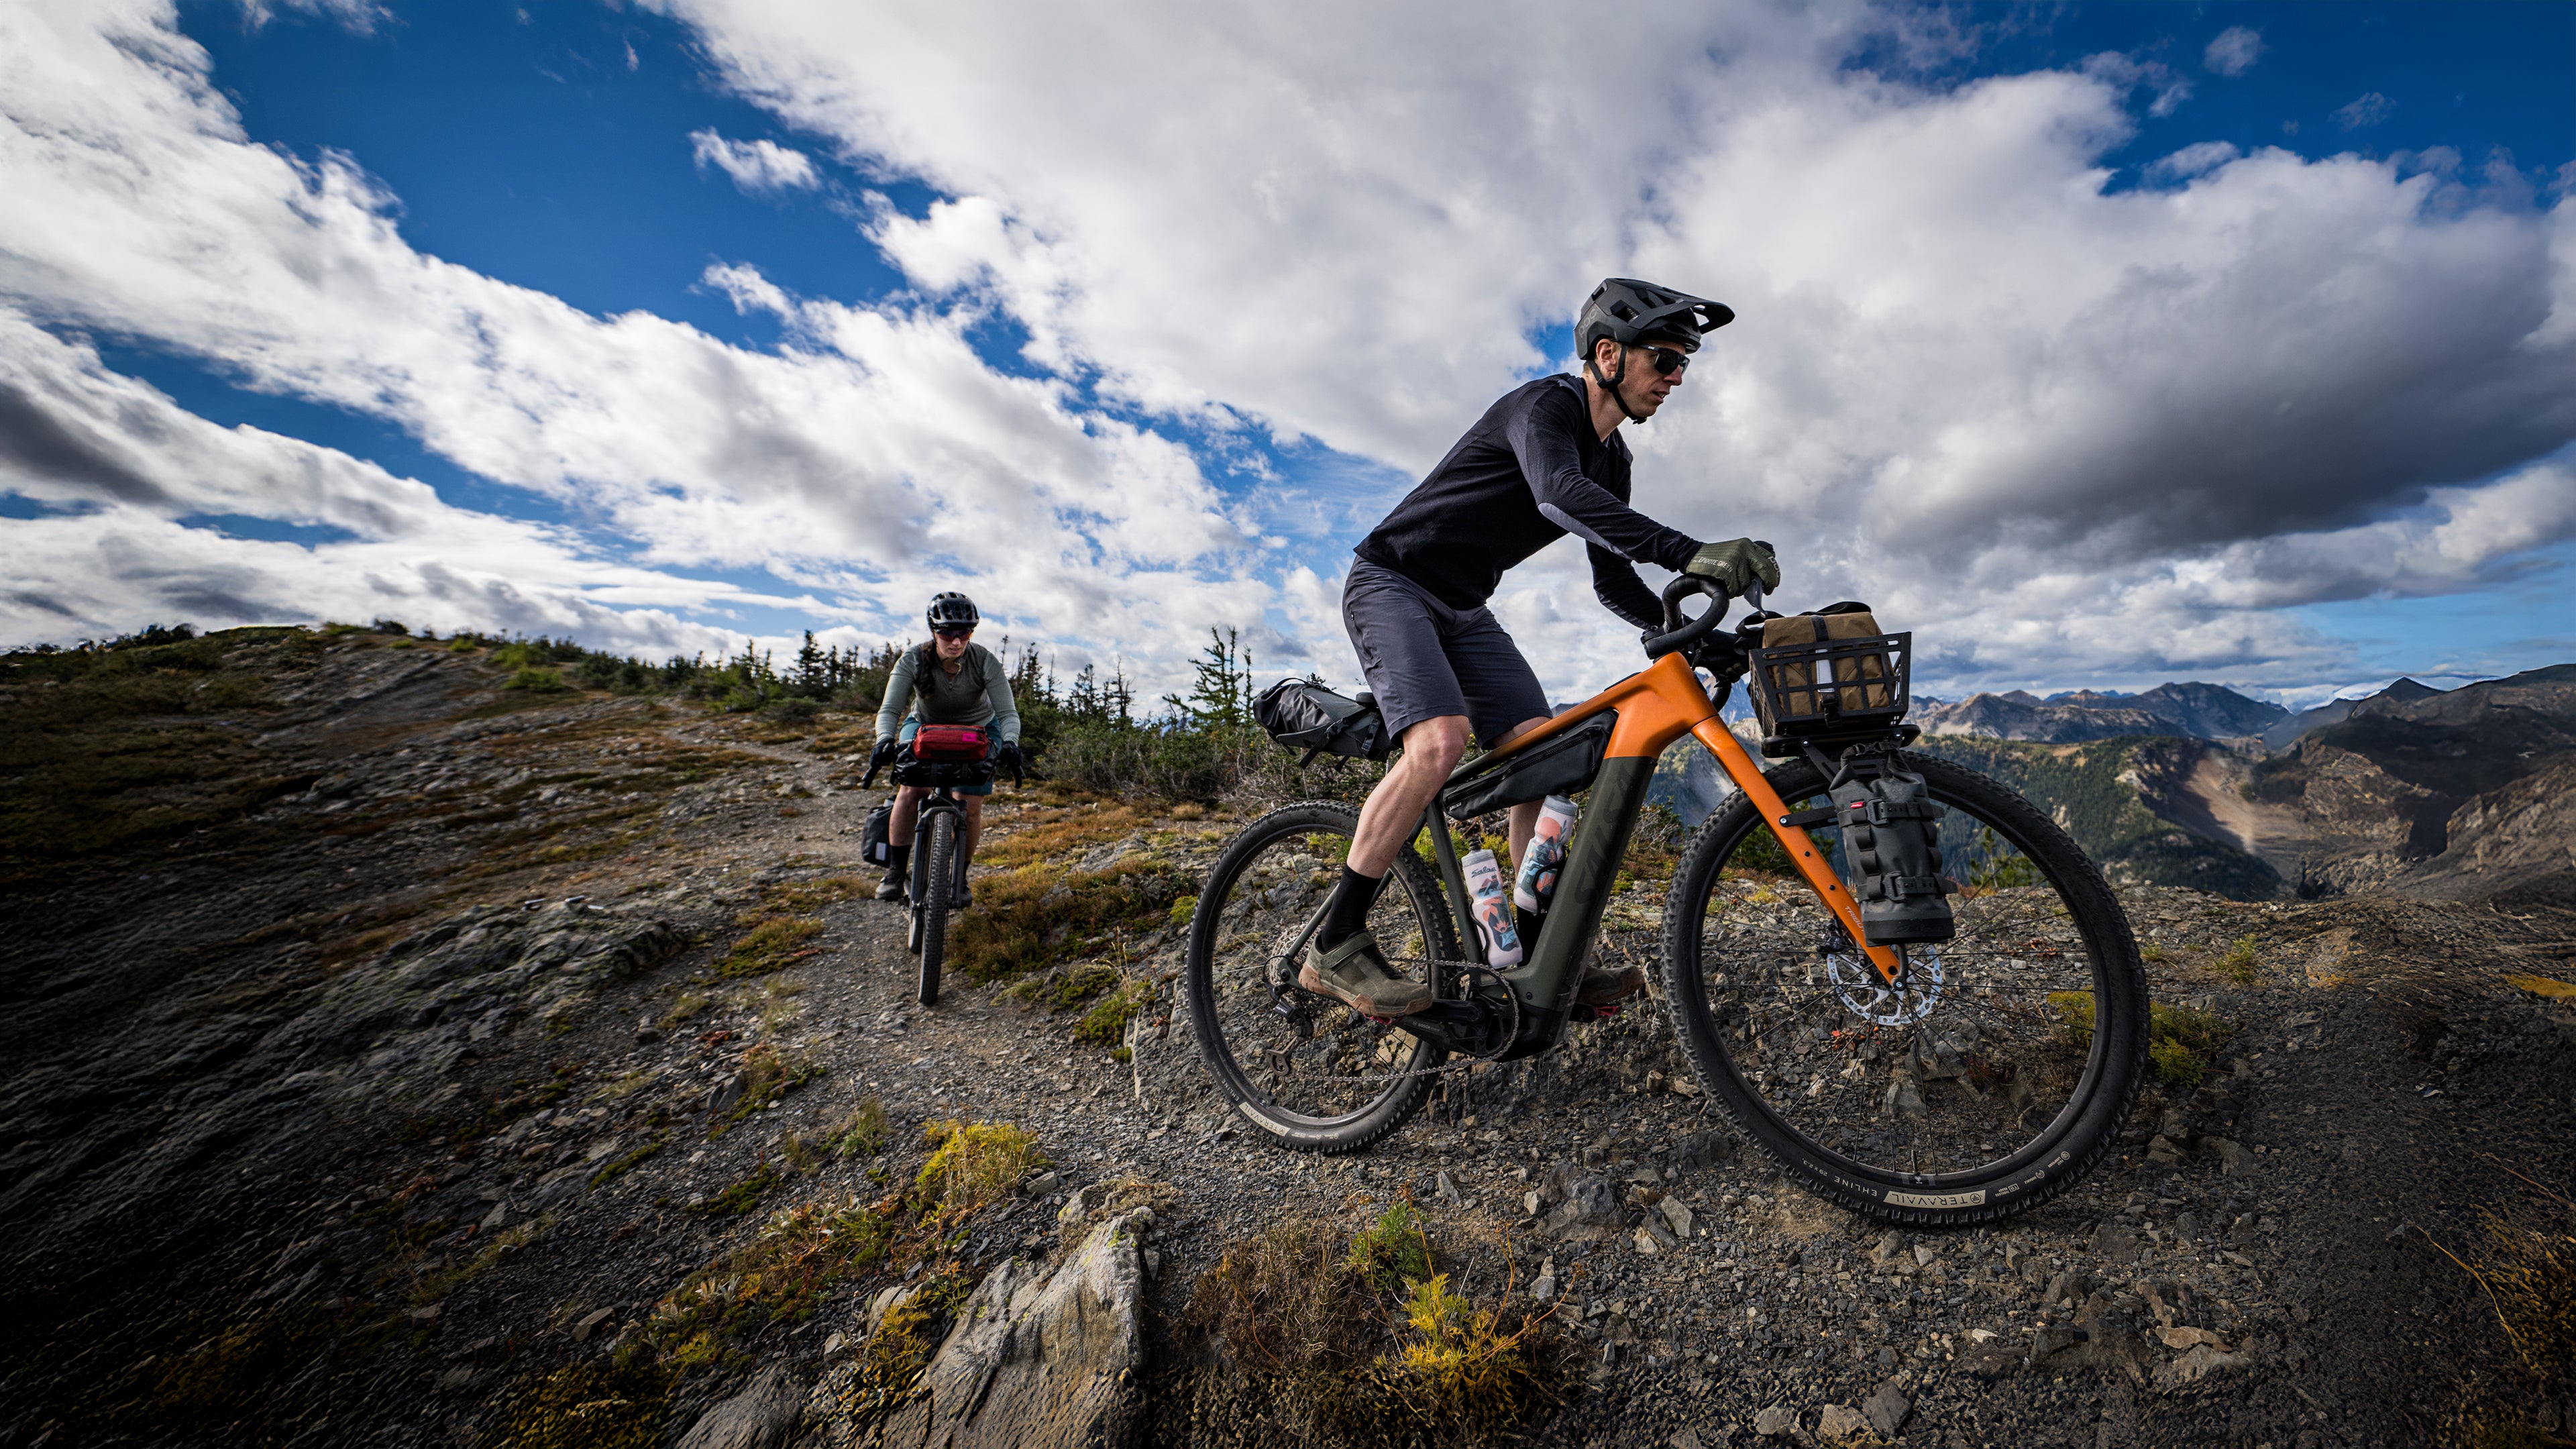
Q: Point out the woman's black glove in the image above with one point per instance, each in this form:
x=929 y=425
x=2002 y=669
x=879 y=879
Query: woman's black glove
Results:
x=1006 y=757
x=882 y=755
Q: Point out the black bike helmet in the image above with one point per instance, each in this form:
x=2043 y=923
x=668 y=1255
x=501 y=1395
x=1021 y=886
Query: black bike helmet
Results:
x=952 y=611
x=1628 y=312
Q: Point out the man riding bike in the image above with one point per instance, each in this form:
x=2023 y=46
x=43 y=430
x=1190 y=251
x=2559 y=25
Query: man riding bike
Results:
x=1543 y=462
x=950 y=680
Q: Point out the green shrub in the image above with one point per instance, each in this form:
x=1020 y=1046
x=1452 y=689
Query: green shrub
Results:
x=863 y=1132
x=537 y=681
x=2175 y=1063
x=1392 y=1253
x=1106 y=1023
x=973 y=1165
x=2239 y=965
x=2181 y=1042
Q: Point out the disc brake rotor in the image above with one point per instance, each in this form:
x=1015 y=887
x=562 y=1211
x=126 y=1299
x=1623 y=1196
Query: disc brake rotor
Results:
x=1867 y=995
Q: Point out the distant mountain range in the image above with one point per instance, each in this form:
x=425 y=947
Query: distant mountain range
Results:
x=2194 y=711
x=2465 y=793
x=2336 y=711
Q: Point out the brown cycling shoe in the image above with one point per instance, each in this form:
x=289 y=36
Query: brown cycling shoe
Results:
x=1356 y=975
x=1605 y=987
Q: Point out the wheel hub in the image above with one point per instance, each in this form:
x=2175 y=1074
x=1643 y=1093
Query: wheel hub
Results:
x=1865 y=994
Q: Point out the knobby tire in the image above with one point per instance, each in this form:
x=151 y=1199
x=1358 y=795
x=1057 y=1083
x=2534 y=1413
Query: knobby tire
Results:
x=2060 y=1152
x=1231 y=927
x=938 y=882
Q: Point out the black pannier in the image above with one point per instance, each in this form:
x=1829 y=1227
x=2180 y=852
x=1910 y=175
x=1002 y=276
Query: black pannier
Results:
x=1892 y=838
x=1304 y=715
x=1560 y=766
x=872 y=840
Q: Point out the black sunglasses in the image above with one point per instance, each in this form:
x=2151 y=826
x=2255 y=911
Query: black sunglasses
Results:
x=1666 y=360
x=966 y=633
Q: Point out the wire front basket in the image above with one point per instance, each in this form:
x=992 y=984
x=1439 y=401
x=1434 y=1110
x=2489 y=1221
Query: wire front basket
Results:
x=1833 y=687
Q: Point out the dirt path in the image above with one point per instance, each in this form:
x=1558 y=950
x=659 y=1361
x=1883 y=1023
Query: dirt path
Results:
x=321 y=1134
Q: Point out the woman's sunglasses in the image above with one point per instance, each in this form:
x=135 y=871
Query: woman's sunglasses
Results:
x=1666 y=360
x=965 y=633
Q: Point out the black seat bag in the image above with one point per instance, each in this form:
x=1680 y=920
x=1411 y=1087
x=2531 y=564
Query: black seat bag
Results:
x=1304 y=715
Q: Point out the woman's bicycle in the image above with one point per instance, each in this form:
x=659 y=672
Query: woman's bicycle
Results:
x=1929 y=1081
x=938 y=828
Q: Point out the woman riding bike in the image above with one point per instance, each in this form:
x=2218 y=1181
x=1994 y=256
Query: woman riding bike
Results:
x=951 y=680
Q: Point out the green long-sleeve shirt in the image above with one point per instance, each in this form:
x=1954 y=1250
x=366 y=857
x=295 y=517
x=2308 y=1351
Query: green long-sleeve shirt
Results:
x=978 y=693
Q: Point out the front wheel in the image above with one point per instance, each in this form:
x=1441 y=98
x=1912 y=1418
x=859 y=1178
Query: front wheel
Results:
x=1992 y=1076
x=1307 y=1072
x=938 y=871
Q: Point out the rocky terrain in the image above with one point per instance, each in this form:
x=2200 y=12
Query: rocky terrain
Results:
x=398 y=1057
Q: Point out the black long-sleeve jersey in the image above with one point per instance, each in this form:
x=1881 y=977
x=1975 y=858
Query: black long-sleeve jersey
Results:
x=1531 y=471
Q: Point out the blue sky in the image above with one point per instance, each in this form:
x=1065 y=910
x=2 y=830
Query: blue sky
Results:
x=2102 y=343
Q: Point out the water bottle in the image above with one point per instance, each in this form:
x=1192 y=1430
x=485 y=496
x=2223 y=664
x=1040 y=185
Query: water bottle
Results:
x=1545 y=855
x=1493 y=910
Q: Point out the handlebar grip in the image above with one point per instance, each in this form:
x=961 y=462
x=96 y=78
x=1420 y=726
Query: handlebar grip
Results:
x=1680 y=632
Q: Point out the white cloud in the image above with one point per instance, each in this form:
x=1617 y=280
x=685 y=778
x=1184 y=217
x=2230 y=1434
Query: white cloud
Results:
x=1971 y=381
x=360 y=16
x=2234 y=51
x=1954 y=342
x=2368 y=109
x=757 y=167
x=2193 y=160
x=126 y=468
x=874 y=459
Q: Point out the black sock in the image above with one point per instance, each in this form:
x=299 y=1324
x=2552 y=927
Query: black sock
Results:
x=1346 y=914
x=898 y=859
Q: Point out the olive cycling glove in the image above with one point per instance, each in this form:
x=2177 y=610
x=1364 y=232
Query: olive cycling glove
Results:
x=1735 y=565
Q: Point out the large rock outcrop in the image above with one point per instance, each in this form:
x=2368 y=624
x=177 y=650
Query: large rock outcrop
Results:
x=1036 y=1360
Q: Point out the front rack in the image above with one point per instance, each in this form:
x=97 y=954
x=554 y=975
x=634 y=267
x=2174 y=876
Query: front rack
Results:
x=1833 y=690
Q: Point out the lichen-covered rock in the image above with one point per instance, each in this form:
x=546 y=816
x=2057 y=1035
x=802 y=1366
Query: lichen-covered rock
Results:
x=1044 y=1360
x=762 y=1416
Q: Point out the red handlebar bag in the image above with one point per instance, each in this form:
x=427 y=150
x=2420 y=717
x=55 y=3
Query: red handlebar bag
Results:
x=951 y=742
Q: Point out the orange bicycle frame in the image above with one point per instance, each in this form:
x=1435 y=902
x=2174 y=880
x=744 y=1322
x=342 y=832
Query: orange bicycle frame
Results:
x=1652 y=708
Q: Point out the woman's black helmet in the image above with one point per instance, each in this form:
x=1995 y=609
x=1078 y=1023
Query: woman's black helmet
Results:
x=1629 y=311
x=952 y=611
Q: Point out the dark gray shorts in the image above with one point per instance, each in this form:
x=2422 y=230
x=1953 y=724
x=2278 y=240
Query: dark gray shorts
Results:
x=1424 y=659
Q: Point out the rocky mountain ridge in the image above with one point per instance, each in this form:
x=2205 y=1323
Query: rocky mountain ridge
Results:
x=2197 y=711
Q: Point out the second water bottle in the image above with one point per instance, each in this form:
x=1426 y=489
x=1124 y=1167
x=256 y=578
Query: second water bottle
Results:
x=1545 y=855
x=1493 y=910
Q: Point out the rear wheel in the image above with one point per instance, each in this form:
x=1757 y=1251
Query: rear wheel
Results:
x=1304 y=1070
x=1997 y=1070
x=938 y=874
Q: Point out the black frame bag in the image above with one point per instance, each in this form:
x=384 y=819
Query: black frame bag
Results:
x=1564 y=765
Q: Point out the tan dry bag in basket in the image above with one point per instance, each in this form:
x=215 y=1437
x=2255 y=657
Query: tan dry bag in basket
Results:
x=1796 y=683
